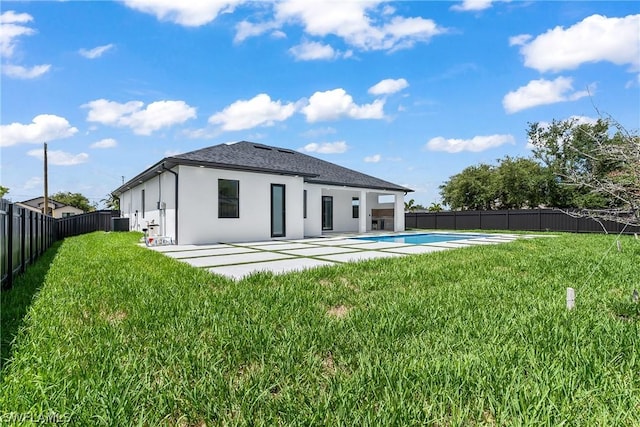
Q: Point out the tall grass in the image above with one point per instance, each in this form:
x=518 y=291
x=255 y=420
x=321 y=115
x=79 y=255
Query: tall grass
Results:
x=120 y=335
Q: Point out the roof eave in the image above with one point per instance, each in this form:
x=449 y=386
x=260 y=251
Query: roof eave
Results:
x=373 y=187
x=144 y=176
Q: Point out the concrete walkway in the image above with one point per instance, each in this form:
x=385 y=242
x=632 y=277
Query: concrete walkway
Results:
x=237 y=260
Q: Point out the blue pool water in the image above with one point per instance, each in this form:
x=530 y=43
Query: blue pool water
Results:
x=418 y=239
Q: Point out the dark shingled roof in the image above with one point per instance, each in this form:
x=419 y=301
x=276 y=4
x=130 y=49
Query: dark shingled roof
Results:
x=250 y=156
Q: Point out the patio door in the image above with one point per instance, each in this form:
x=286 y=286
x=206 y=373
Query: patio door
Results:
x=327 y=212
x=278 y=213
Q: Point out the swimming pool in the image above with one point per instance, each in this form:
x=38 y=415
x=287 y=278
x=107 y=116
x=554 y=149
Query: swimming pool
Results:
x=418 y=239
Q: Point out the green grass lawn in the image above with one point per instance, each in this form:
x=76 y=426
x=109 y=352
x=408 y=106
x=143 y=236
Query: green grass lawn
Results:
x=116 y=334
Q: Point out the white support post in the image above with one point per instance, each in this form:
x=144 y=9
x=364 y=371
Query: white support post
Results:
x=398 y=213
x=363 y=213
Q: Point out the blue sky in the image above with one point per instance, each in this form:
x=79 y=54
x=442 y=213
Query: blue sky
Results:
x=411 y=92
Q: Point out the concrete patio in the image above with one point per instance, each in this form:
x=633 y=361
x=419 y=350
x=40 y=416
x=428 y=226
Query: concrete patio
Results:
x=237 y=260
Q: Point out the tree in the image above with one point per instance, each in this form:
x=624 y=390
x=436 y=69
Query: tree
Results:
x=598 y=162
x=111 y=202
x=515 y=183
x=74 y=199
x=434 y=207
x=3 y=190
x=521 y=183
x=410 y=206
x=472 y=189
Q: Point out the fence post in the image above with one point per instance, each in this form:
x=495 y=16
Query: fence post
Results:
x=539 y=219
x=9 y=283
x=23 y=239
x=32 y=239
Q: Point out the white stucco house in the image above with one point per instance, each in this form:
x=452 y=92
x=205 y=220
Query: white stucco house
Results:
x=250 y=192
x=55 y=208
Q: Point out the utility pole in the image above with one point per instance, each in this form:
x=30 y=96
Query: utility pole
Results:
x=46 y=182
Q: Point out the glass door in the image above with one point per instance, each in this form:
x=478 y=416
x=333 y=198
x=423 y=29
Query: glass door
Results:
x=278 y=210
x=327 y=212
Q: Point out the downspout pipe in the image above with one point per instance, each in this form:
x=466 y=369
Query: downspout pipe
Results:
x=164 y=168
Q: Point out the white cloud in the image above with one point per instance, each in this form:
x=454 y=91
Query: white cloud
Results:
x=583 y=120
x=171 y=153
x=475 y=144
x=541 y=92
x=520 y=40
x=313 y=51
x=335 y=104
x=157 y=115
x=194 y=13
x=96 y=52
x=11 y=28
x=246 y=29
x=594 y=39
x=633 y=82
x=160 y=114
x=110 y=112
x=105 y=143
x=388 y=86
x=326 y=147
x=44 y=128
x=361 y=24
x=11 y=17
x=402 y=33
x=60 y=158
x=33 y=182
x=373 y=159
x=472 y=5
x=20 y=72
x=258 y=111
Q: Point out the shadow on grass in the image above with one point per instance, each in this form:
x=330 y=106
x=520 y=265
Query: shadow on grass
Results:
x=15 y=302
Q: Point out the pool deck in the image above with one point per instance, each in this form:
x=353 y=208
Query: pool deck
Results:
x=237 y=260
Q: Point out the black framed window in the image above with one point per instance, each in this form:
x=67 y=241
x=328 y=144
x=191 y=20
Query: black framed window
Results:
x=304 y=203
x=327 y=212
x=355 y=207
x=228 y=198
x=278 y=210
x=143 y=203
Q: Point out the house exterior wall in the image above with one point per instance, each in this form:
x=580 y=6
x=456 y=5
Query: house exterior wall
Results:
x=198 y=221
x=56 y=209
x=343 y=221
x=313 y=222
x=69 y=210
x=159 y=205
x=198 y=208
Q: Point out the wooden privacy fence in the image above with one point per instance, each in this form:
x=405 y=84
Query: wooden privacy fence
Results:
x=513 y=220
x=26 y=234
